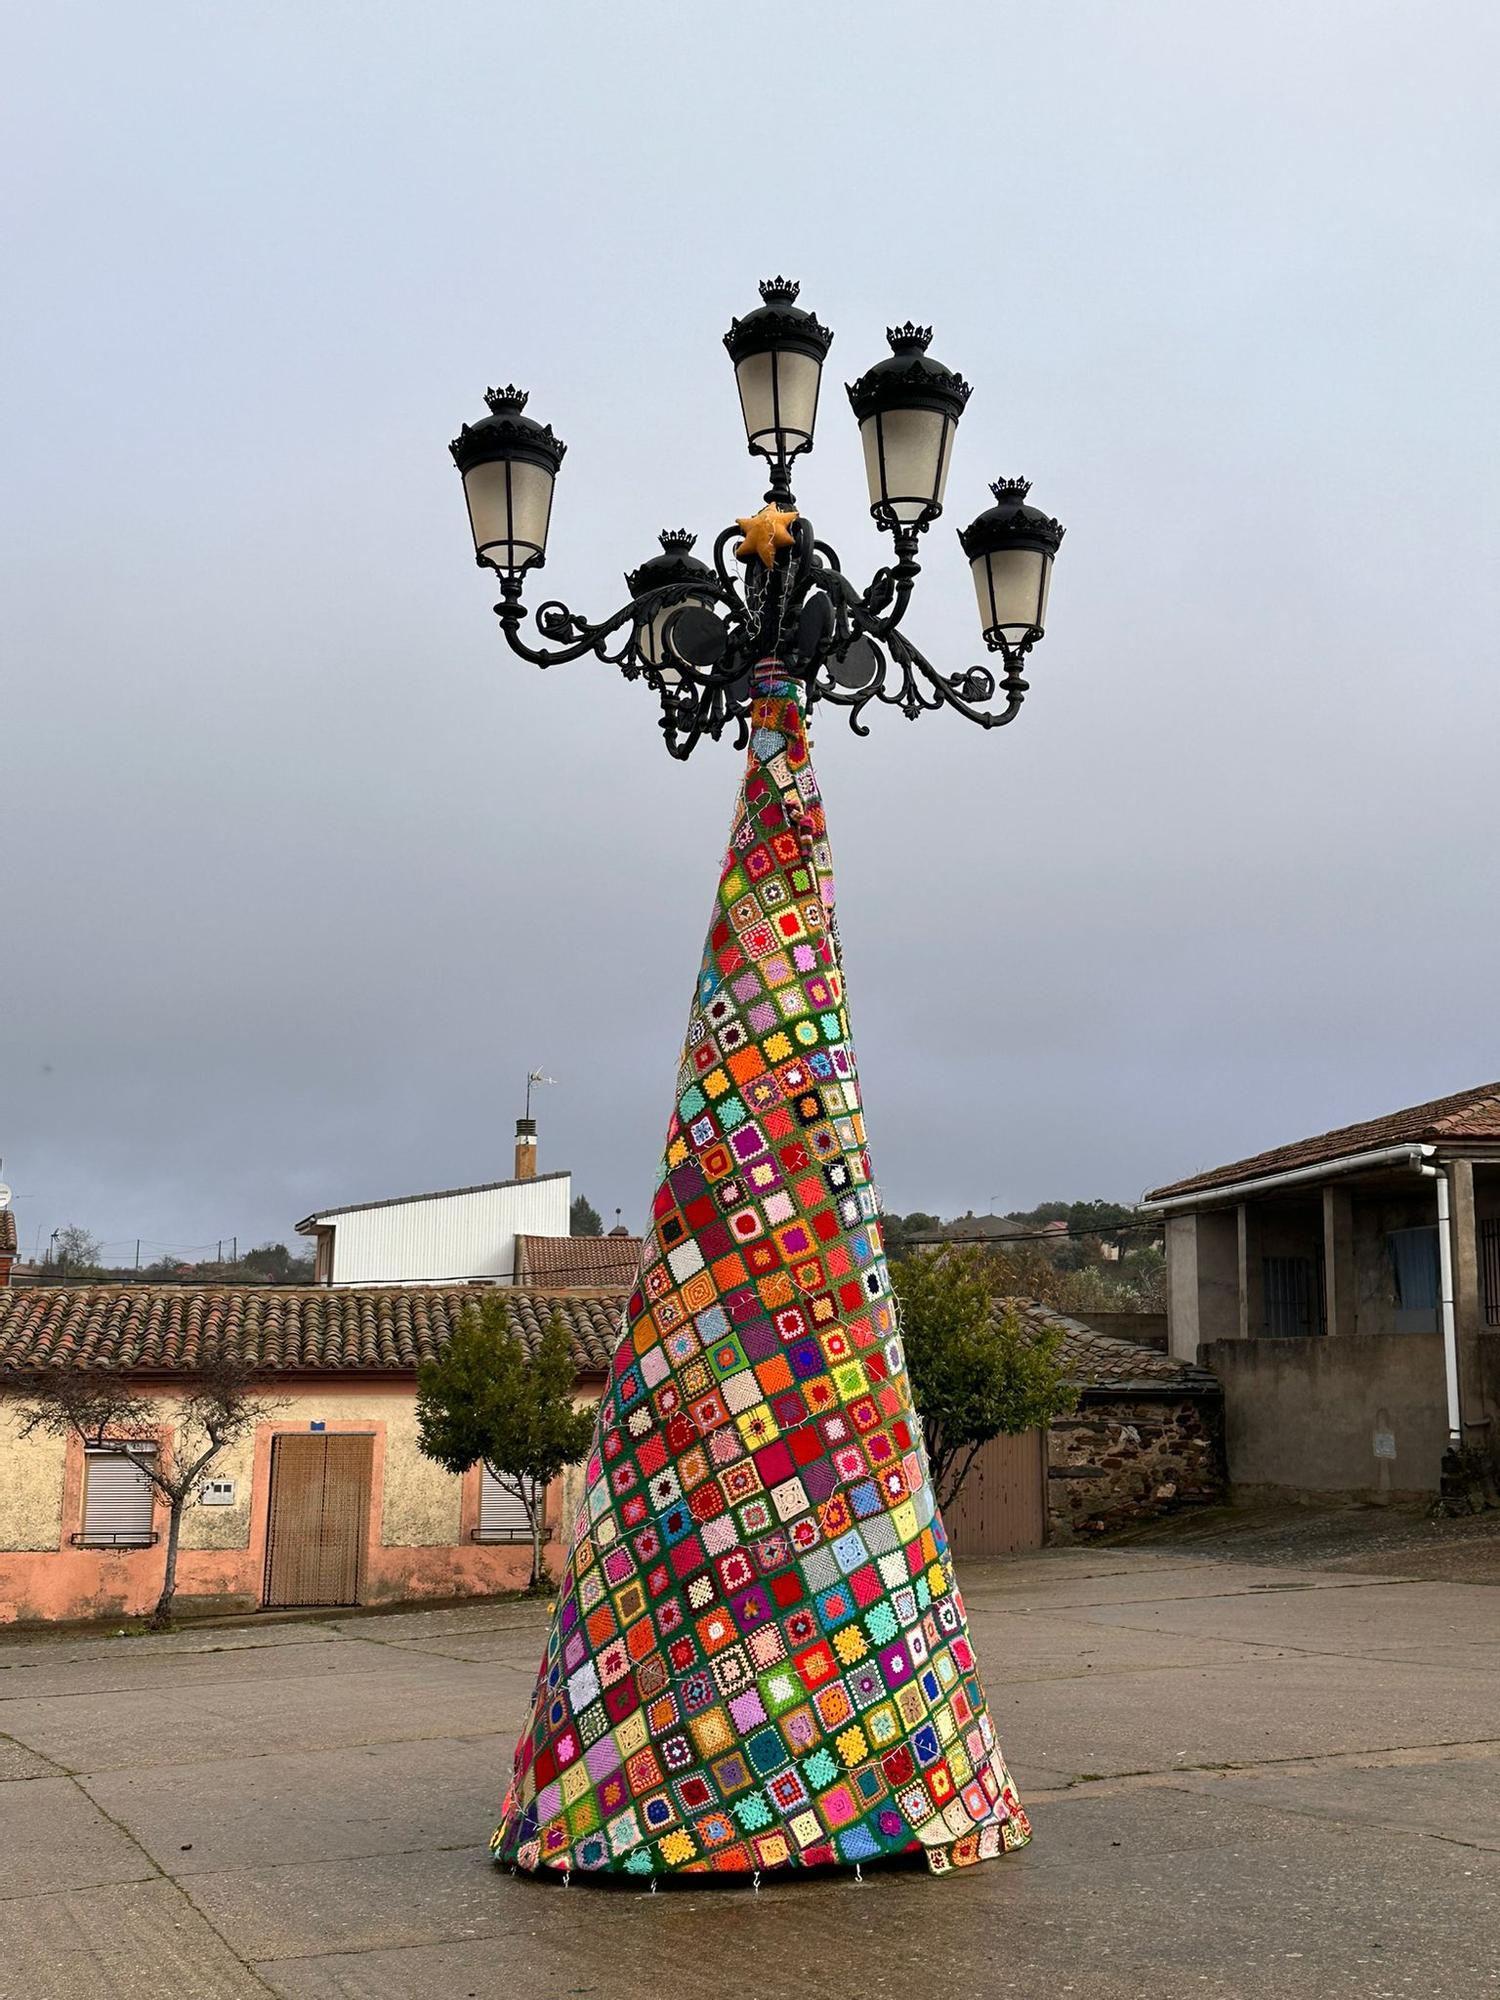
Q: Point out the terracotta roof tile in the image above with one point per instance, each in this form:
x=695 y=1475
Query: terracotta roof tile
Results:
x=279 y=1329
x=552 y=1263
x=389 y=1329
x=1468 y=1114
x=1098 y=1361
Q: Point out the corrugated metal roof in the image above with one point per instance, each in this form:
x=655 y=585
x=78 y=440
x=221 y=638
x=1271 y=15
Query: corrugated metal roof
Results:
x=439 y=1194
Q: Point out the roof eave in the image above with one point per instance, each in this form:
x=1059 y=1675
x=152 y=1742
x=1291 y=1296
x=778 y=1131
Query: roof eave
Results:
x=323 y=1215
x=1153 y=1389
x=1413 y=1154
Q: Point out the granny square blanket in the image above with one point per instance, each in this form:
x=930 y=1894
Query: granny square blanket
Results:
x=760 y=1657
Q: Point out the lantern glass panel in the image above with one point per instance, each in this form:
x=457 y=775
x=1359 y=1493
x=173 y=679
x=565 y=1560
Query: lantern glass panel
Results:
x=510 y=504
x=1011 y=588
x=779 y=399
x=906 y=462
x=652 y=640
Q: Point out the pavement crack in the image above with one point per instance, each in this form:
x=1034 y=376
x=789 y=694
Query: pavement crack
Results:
x=54 y=1769
x=995 y=1600
x=1391 y=1757
x=158 y=1873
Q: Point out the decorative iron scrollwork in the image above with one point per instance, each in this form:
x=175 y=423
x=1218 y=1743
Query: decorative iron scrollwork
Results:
x=846 y=645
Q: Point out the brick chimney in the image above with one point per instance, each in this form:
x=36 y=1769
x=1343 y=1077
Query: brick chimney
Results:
x=525 y=1149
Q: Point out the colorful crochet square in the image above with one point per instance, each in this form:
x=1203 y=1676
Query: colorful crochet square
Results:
x=760 y=1657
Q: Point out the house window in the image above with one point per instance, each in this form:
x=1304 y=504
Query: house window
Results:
x=1293 y=1289
x=1414 y=1263
x=502 y=1518
x=117 y=1498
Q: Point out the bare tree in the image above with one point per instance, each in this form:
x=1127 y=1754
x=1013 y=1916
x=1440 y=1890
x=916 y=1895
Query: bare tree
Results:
x=106 y=1411
x=74 y=1249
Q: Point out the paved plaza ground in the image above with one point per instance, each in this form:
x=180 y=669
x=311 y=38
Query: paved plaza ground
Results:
x=1262 y=1760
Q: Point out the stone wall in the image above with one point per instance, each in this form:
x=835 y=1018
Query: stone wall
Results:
x=1120 y=1458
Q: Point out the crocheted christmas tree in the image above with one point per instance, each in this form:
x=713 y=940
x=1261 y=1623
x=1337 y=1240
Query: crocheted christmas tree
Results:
x=760 y=1656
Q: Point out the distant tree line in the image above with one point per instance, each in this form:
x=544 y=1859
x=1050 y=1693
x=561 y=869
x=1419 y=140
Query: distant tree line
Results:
x=75 y=1256
x=1106 y=1257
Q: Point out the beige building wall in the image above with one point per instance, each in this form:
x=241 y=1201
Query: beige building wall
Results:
x=419 y=1545
x=31 y=1485
x=420 y=1503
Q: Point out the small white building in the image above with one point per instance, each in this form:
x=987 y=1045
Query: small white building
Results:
x=443 y=1238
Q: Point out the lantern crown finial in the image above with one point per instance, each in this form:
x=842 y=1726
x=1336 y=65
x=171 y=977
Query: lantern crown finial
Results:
x=676 y=538
x=909 y=339
x=508 y=398
x=779 y=291
x=1010 y=523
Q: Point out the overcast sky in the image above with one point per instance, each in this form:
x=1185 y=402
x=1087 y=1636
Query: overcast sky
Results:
x=303 y=871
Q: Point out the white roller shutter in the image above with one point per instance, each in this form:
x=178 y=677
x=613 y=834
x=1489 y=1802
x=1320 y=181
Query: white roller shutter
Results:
x=117 y=1496
x=502 y=1518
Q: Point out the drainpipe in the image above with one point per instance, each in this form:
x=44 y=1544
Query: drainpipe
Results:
x=1449 y=1321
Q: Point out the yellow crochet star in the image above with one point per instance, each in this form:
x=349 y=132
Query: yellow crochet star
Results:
x=765 y=533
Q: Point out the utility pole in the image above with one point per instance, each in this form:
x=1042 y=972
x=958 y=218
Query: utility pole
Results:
x=138 y=1253
x=234 y=1255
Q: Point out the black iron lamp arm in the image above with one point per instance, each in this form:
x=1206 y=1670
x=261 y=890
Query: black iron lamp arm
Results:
x=727 y=580
x=803 y=610
x=576 y=636
x=916 y=686
x=554 y=620
x=889 y=590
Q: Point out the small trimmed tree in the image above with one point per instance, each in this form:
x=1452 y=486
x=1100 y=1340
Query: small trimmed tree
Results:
x=976 y=1368
x=486 y=1400
x=104 y=1409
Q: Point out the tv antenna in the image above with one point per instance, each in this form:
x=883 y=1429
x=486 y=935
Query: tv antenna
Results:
x=535 y=1076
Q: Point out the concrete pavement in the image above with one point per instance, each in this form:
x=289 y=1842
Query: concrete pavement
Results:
x=1257 y=1779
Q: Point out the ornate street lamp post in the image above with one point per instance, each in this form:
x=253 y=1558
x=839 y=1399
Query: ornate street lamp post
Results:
x=692 y=630
x=758 y=1447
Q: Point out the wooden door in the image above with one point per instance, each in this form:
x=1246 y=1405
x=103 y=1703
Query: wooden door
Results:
x=1002 y=1506
x=318 y=1528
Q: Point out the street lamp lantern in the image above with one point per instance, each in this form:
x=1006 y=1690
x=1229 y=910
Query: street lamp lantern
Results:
x=908 y=406
x=508 y=462
x=1010 y=549
x=674 y=581
x=778 y=353
x=696 y=630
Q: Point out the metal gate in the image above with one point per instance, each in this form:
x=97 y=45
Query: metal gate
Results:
x=1489 y=1268
x=1001 y=1508
x=1296 y=1302
x=318 y=1525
